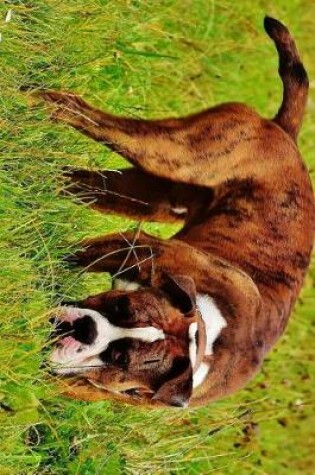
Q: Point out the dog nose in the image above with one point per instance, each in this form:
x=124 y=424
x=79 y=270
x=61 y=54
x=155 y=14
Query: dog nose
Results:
x=60 y=328
x=85 y=330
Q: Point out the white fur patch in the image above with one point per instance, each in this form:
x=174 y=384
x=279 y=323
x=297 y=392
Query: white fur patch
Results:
x=214 y=321
x=122 y=284
x=179 y=210
x=71 y=356
x=200 y=374
x=192 y=343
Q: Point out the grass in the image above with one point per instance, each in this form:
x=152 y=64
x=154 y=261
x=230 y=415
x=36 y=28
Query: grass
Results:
x=149 y=59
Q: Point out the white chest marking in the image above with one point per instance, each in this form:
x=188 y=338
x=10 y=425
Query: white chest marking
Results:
x=213 y=319
x=192 y=343
x=214 y=323
x=179 y=210
x=200 y=374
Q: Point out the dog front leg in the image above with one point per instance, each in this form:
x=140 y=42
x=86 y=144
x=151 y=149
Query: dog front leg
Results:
x=129 y=255
x=130 y=192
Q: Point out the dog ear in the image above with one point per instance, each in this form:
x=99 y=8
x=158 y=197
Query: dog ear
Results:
x=177 y=390
x=182 y=291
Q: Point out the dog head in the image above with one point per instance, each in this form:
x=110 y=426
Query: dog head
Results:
x=136 y=343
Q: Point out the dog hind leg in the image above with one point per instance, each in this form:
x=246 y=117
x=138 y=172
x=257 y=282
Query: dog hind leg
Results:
x=130 y=192
x=204 y=149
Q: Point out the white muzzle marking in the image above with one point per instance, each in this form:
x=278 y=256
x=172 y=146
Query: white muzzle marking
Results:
x=72 y=356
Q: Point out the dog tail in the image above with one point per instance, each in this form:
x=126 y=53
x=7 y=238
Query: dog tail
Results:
x=294 y=78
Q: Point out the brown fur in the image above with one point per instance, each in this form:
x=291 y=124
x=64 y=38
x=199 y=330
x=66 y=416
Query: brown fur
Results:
x=249 y=227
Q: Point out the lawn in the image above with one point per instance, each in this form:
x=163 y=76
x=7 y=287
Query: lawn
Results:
x=143 y=58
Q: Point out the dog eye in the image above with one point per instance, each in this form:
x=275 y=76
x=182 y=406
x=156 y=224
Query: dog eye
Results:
x=119 y=306
x=119 y=358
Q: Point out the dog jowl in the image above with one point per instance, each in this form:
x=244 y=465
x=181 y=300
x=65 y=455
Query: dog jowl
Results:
x=194 y=316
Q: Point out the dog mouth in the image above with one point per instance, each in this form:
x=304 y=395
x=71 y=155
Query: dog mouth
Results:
x=71 y=326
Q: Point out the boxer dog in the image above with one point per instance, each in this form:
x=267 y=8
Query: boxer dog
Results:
x=194 y=316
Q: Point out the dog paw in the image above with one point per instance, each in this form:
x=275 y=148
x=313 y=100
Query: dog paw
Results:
x=72 y=261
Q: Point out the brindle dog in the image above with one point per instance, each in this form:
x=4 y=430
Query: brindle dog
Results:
x=200 y=311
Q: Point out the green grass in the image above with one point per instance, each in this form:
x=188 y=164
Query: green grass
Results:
x=149 y=59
